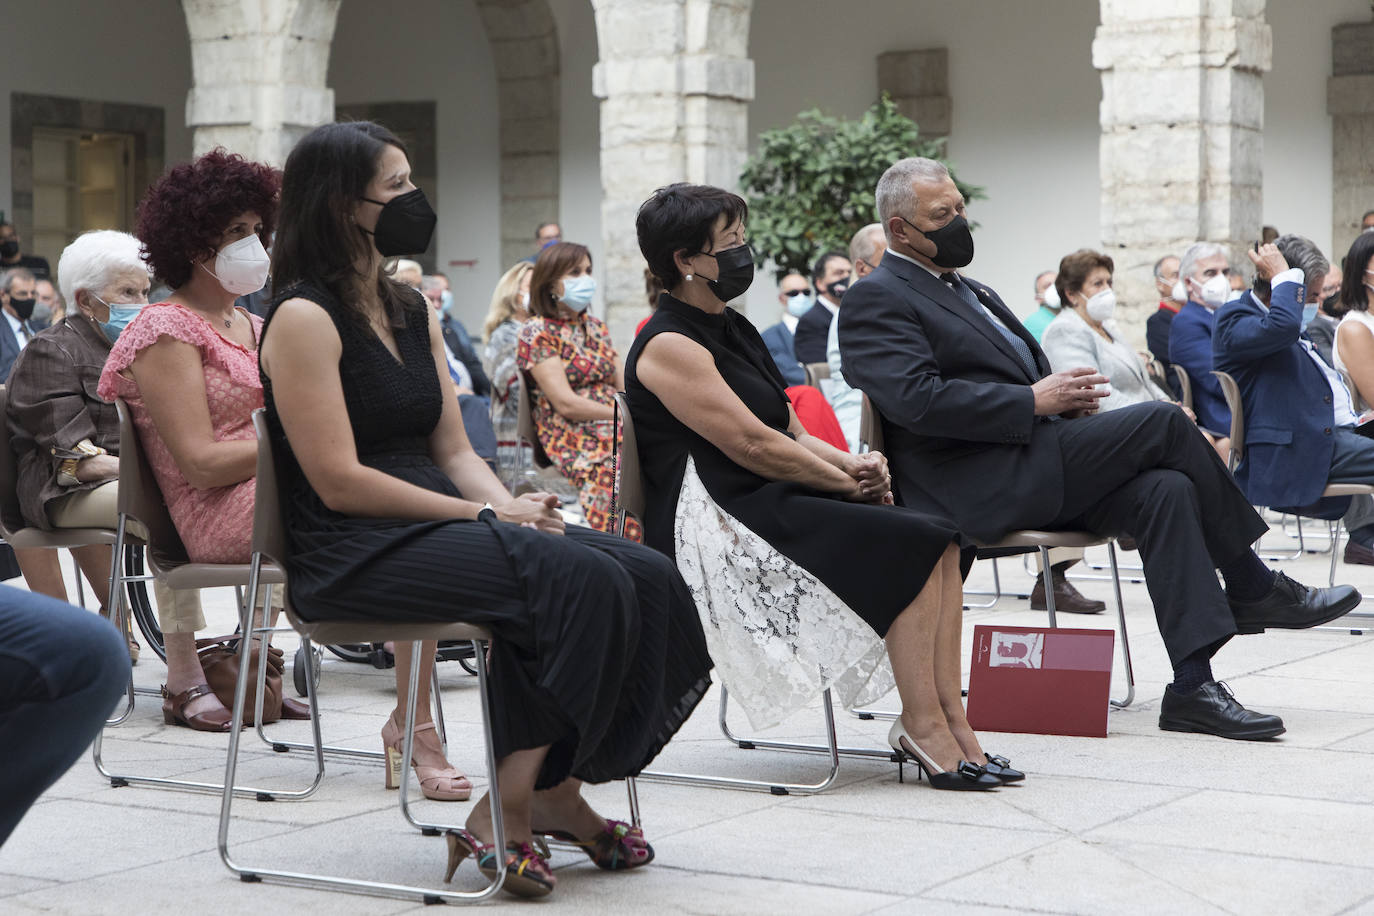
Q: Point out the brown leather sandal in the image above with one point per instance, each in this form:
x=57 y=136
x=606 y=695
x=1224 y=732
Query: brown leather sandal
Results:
x=174 y=711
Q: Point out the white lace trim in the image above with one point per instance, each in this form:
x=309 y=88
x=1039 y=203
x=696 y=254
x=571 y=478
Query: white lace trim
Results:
x=778 y=636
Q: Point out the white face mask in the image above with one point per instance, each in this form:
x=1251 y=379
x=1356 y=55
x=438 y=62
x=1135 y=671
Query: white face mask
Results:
x=1216 y=291
x=1101 y=306
x=525 y=300
x=241 y=267
x=798 y=303
x=1051 y=296
x=1180 y=293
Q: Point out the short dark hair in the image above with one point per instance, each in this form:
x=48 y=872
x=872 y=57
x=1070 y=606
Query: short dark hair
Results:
x=552 y=265
x=1074 y=269
x=680 y=217
x=1353 y=292
x=186 y=211
x=818 y=269
x=1367 y=215
x=542 y=226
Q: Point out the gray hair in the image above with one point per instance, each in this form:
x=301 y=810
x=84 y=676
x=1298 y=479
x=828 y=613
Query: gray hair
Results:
x=895 y=195
x=1298 y=252
x=429 y=282
x=1159 y=265
x=15 y=273
x=92 y=261
x=1187 y=265
x=1043 y=273
x=863 y=245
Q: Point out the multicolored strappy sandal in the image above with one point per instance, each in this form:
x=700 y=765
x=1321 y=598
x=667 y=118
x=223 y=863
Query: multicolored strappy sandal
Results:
x=527 y=872
x=609 y=850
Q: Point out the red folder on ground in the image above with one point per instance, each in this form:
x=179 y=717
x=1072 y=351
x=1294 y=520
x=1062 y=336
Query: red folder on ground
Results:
x=1040 y=680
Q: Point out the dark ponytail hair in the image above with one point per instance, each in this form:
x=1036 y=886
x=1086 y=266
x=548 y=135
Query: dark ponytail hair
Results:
x=317 y=241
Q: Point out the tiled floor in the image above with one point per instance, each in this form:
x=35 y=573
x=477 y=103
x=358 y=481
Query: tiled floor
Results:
x=1143 y=821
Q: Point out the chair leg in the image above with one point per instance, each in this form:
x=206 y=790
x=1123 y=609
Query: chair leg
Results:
x=1335 y=542
x=1047 y=576
x=1121 y=622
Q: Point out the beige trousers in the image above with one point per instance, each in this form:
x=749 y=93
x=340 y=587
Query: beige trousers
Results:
x=177 y=611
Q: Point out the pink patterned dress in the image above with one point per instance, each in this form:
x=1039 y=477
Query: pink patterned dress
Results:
x=215 y=525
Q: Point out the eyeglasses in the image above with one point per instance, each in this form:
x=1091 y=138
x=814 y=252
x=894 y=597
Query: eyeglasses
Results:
x=798 y=292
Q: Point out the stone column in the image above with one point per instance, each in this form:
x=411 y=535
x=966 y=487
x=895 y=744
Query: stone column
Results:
x=524 y=47
x=1350 y=102
x=1182 y=114
x=675 y=82
x=258 y=73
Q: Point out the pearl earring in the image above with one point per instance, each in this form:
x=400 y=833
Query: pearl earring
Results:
x=688 y=278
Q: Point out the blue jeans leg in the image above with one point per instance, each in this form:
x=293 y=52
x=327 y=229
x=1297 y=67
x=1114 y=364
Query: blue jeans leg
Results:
x=61 y=671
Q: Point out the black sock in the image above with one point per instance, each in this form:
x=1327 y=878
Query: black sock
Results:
x=1193 y=671
x=1247 y=579
x=1364 y=536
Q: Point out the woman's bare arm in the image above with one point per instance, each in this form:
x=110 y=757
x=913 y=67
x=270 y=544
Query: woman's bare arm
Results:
x=551 y=378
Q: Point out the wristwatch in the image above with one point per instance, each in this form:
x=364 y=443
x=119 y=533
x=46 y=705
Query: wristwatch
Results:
x=66 y=468
x=486 y=513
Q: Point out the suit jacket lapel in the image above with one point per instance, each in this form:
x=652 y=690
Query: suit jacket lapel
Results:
x=994 y=304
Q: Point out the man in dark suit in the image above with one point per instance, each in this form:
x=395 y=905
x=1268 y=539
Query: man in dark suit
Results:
x=830 y=276
x=17 y=300
x=1321 y=330
x=1300 y=419
x=1206 y=276
x=794 y=296
x=978 y=429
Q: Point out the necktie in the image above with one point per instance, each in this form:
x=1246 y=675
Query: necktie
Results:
x=1017 y=344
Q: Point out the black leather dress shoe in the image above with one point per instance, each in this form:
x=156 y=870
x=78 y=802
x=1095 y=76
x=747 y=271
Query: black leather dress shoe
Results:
x=1291 y=605
x=1358 y=554
x=1213 y=710
x=1001 y=768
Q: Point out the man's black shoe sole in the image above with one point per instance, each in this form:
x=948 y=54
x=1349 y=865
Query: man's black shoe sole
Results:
x=1177 y=725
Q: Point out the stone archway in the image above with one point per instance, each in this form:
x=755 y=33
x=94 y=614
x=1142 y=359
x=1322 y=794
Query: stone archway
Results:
x=524 y=47
x=258 y=72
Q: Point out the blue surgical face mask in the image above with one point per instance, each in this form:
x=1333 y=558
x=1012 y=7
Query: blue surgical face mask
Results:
x=1308 y=313
x=445 y=302
x=121 y=313
x=799 y=303
x=578 y=292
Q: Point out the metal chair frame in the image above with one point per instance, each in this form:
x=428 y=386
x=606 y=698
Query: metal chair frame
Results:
x=629 y=500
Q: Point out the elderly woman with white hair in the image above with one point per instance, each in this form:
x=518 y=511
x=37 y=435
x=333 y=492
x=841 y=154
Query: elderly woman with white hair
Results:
x=66 y=439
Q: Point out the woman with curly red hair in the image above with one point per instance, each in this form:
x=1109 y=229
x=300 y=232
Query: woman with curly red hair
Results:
x=188 y=369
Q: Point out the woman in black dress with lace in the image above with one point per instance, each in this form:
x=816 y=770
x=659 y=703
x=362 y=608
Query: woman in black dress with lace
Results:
x=802 y=569
x=598 y=656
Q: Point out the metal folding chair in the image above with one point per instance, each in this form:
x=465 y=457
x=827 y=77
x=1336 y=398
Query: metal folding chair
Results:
x=140 y=500
x=816 y=373
x=1185 y=385
x=270 y=551
x=630 y=501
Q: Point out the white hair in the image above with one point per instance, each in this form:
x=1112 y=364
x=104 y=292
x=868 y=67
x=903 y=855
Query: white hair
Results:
x=15 y=273
x=896 y=195
x=92 y=261
x=863 y=245
x=1187 y=265
x=429 y=282
x=408 y=268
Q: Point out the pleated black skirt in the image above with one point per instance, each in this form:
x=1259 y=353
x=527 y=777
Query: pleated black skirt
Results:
x=597 y=650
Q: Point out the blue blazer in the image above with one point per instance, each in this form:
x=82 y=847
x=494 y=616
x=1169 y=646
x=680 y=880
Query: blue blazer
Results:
x=1190 y=346
x=1288 y=402
x=779 y=342
x=9 y=347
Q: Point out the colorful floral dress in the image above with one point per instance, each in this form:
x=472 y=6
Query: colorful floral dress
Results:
x=216 y=525
x=583 y=450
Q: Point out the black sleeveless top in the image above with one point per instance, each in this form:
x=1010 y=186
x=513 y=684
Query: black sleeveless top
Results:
x=875 y=558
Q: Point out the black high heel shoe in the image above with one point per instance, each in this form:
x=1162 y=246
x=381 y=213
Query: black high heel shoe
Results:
x=1000 y=768
x=965 y=777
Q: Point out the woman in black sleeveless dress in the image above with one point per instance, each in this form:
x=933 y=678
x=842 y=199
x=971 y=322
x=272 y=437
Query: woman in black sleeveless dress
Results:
x=802 y=569
x=598 y=655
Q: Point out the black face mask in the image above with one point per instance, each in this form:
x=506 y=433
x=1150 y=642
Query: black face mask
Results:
x=1331 y=304
x=22 y=307
x=9 y=248
x=953 y=243
x=736 y=272
x=405 y=225
x=838 y=289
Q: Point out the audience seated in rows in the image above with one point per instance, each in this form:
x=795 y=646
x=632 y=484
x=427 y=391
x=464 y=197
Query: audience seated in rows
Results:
x=1048 y=304
x=865 y=251
x=1299 y=417
x=1321 y=328
x=794 y=300
x=598 y=657
x=830 y=276
x=17 y=292
x=967 y=397
x=470 y=381
x=508 y=312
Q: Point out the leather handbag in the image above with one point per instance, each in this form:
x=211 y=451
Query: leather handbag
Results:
x=219 y=658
